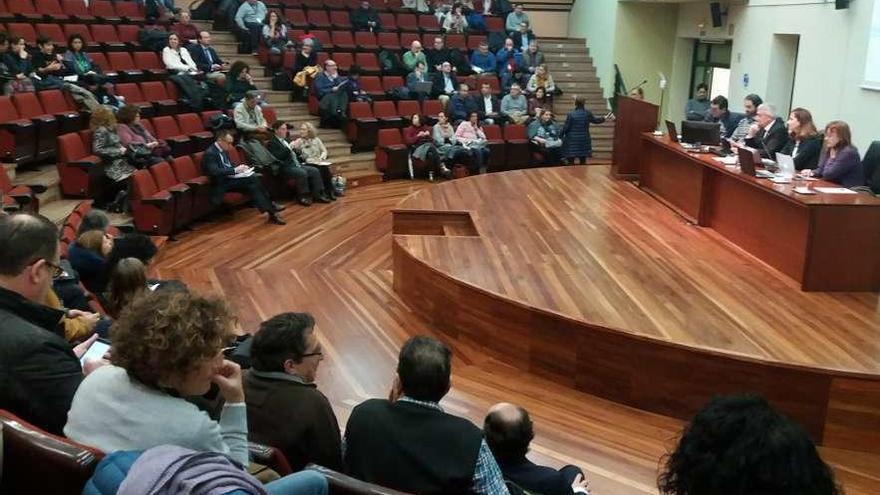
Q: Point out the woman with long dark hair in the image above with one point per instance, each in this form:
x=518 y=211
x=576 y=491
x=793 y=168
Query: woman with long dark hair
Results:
x=238 y=82
x=127 y=281
x=140 y=143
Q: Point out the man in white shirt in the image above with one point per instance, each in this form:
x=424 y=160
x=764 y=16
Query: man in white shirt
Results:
x=489 y=106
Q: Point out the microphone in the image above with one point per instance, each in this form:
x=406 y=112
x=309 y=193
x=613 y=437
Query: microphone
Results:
x=639 y=85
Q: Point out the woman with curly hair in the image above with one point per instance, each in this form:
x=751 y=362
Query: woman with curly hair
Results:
x=167 y=346
x=739 y=445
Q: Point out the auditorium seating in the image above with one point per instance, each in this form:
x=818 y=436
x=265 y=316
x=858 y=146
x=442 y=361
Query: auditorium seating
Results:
x=391 y=153
x=153 y=208
x=18 y=136
x=80 y=171
x=21 y=197
x=29 y=107
x=186 y=171
x=184 y=196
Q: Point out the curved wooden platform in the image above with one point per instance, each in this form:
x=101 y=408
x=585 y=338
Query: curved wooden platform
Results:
x=569 y=275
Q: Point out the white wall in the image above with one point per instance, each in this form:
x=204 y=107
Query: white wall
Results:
x=830 y=65
x=596 y=20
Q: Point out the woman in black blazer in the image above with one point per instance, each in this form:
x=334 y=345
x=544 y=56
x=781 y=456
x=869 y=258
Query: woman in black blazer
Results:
x=806 y=142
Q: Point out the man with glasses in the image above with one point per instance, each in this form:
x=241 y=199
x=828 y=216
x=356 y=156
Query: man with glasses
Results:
x=39 y=372
x=285 y=408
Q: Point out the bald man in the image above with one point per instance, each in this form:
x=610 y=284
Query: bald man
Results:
x=414 y=56
x=508 y=430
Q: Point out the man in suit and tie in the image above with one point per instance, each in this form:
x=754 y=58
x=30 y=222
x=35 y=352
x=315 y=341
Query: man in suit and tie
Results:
x=444 y=83
x=523 y=37
x=309 y=185
x=509 y=431
x=488 y=105
x=206 y=58
x=768 y=134
x=217 y=165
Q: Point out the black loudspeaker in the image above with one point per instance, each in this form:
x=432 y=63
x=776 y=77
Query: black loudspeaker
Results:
x=841 y=4
x=717 y=21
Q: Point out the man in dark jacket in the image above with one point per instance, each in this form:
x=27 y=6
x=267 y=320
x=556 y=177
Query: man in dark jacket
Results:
x=206 y=58
x=409 y=443
x=365 y=18
x=719 y=112
x=509 y=431
x=285 y=408
x=768 y=134
x=309 y=185
x=39 y=372
x=461 y=104
x=218 y=166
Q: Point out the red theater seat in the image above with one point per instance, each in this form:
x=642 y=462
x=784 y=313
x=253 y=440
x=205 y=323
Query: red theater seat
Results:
x=407 y=22
x=80 y=171
x=154 y=91
x=191 y=125
x=18 y=198
x=388 y=41
x=77 y=10
x=362 y=126
x=373 y=86
x=518 y=152
x=391 y=153
x=103 y=10
x=151 y=207
x=133 y=96
x=318 y=19
x=130 y=11
x=368 y=62
x=366 y=41
x=128 y=34
x=343 y=40
x=386 y=113
x=23 y=9
x=407 y=108
x=50 y=9
x=497 y=148
x=296 y=18
x=428 y=24
x=167 y=129
x=151 y=64
x=53 y=32
x=54 y=102
x=18 y=136
x=29 y=107
x=184 y=196
x=24 y=30
x=188 y=173
x=339 y=20
x=124 y=65
x=343 y=60
x=106 y=35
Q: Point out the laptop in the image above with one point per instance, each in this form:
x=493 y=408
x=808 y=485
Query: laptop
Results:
x=424 y=87
x=785 y=164
x=670 y=129
x=747 y=159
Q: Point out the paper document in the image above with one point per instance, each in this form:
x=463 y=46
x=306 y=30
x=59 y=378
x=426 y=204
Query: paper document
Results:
x=835 y=190
x=804 y=190
x=727 y=160
x=244 y=174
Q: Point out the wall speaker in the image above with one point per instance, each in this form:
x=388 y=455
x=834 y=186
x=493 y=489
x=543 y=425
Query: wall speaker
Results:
x=717 y=20
x=841 y=4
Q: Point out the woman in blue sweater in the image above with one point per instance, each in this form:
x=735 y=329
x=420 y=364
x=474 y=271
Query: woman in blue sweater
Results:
x=840 y=161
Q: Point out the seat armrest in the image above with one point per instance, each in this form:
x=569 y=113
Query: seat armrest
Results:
x=366 y=120
x=269 y=456
x=159 y=199
x=16 y=125
x=394 y=147
x=37 y=188
x=85 y=165
x=198 y=181
x=342 y=483
x=178 y=189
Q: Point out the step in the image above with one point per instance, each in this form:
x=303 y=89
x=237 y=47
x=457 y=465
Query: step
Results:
x=46 y=175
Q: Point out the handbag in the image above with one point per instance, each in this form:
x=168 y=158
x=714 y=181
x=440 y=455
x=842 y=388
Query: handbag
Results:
x=139 y=155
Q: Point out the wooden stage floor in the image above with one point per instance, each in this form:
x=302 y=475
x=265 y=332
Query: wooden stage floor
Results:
x=335 y=261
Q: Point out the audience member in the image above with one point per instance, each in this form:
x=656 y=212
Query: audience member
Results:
x=166 y=346
x=94 y=219
x=414 y=56
x=576 y=132
x=461 y=104
x=767 y=134
x=719 y=112
x=409 y=443
x=40 y=371
x=249 y=17
x=88 y=256
x=305 y=67
x=275 y=33
x=131 y=245
x=445 y=142
x=508 y=430
x=532 y=58
x=80 y=63
x=515 y=19
x=226 y=176
x=177 y=58
x=548 y=139
x=139 y=142
x=78 y=324
x=206 y=58
x=333 y=96
x=534 y=124
x=18 y=63
x=523 y=38
x=309 y=145
x=515 y=106
x=417 y=5
x=472 y=137
x=48 y=65
x=805 y=143
x=439 y=54
x=839 y=162
x=739 y=444
x=541 y=79
x=128 y=280
x=750 y=106
x=309 y=185
x=509 y=61
x=285 y=355
x=696 y=107
x=638 y=93
x=365 y=18
x=356 y=92
x=238 y=82
x=488 y=105
x=418 y=136
x=418 y=75
x=188 y=32
x=108 y=147
x=248 y=117
x=455 y=22
x=483 y=61
x=538 y=100
x=444 y=84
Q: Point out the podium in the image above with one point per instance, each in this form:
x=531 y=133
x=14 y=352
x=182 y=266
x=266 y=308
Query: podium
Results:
x=633 y=118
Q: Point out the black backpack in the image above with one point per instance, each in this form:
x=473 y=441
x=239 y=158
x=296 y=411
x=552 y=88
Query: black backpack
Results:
x=390 y=63
x=282 y=81
x=153 y=39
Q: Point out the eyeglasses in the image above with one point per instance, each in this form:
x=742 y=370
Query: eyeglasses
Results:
x=57 y=271
x=317 y=352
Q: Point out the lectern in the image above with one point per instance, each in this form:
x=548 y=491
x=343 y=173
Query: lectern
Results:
x=633 y=118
